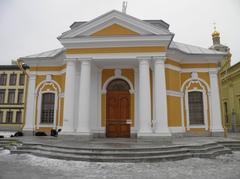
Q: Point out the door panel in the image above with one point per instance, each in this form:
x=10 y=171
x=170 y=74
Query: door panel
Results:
x=118 y=112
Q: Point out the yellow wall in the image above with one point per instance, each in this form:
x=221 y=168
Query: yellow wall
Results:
x=115 y=50
x=114 y=29
x=173 y=81
x=174 y=111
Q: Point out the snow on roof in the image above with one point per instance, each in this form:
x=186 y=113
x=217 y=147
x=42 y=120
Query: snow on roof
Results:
x=46 y=54
x=190 y=49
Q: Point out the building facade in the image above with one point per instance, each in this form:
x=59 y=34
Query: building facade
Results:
x=230 y=80
x=119 y=76
x=12 y=97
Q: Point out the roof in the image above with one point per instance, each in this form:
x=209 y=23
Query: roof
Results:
x=157 y=23
x=46 y=54
x=158 y=28
x=185 y=48
x=190 y=49
x=9 y=67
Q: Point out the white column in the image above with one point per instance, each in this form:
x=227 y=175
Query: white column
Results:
x=30 y=117
x=84 y=98
x=160 y=100
x=69 y=98
x=144 y=99
x=216 y=119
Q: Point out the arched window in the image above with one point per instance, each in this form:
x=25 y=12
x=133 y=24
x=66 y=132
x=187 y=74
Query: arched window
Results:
x=118 y=85
x=47 y=108
x=196 y=110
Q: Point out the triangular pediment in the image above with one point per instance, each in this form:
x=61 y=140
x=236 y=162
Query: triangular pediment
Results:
x=114 y=29
x=114 y=23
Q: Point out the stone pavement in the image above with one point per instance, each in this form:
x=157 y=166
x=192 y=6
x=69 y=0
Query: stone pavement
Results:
x=79 y=142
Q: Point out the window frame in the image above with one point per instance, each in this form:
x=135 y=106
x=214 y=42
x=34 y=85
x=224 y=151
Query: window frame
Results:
x=40 y=124
x=8 y=100
x=202 y=109
x=4 y=83
x=9 y=112
x=205 y=109
x=1 y=117
x=4 y=95
x=20 y=82
x=14 y=83
x=18 y=122
x=19 y=92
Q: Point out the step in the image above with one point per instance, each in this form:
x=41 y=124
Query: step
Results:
x=213 y=153
x=104 y=158
x=235 y=148
x=103 y=149
x=106 y=153
x=206 y=149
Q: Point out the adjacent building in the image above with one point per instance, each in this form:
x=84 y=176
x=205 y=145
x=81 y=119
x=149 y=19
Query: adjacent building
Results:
x=230 y=79
x=230 y=86
x=119 y=76
x=12 y=97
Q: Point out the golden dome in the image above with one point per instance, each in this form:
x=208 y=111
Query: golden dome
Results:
x=215 y=32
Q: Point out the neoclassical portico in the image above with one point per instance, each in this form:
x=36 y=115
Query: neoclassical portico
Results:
x=119 y=76
x=144 y=106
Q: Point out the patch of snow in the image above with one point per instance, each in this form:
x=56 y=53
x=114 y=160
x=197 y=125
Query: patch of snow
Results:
x=6 y=134
x=4 y=152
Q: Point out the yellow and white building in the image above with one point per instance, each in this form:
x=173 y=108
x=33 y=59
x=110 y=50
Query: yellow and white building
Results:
x=12 y=97
x=119 y=76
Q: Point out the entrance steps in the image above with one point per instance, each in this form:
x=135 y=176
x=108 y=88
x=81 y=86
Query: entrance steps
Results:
x=151 y=154
x=233 y=145
x=125 y=154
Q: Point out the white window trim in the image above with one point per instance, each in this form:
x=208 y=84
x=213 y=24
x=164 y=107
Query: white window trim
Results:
x=56 y=103
x=205 y=105
x=39 y=124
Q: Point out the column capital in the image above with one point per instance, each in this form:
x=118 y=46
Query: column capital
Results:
x=32 y=76
x=69 y=60
x=213 y=72
x=87 y=59
x=144 y=58
x=159 y=59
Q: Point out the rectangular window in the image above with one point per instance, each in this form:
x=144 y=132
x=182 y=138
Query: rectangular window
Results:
x=196 y=114
x=9 y=117
x=20 y=96
x=226 y=112
x=47 y=112
x=2 y=96
x=13 y=79
x=1 y=116
x=19 y=117
x=11 y=96
x=21 y=79
x=3 y=79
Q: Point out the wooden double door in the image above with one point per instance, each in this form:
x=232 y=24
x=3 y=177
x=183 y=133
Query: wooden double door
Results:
x=118 y=114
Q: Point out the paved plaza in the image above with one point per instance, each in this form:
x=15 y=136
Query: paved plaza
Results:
x=32 y=167
x=26 y=166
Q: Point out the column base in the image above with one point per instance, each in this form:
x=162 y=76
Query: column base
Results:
x=153 y=136
x=28 y=132
x=163 y=134
x=217 y=134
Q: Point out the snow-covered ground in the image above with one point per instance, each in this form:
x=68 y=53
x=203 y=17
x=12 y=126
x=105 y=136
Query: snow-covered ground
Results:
x=6 y=134
x=28 y=167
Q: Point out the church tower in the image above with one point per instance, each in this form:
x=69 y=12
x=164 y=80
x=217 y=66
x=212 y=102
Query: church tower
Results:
x=222 y=48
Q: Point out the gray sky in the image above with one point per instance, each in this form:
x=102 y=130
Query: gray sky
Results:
x=31 y=26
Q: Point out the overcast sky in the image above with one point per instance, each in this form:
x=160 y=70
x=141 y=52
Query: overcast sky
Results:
x=31 y=26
